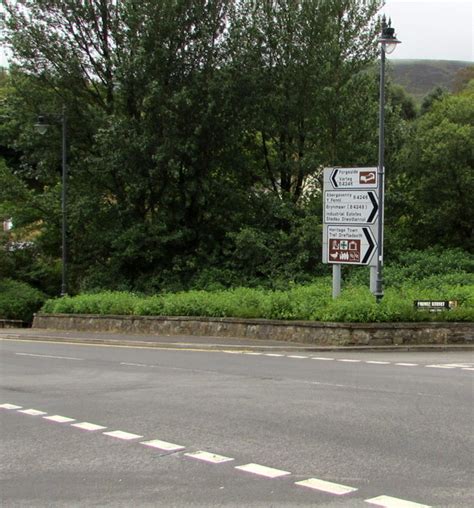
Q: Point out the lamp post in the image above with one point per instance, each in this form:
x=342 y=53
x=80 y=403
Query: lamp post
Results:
x=388 y=42
x=42 y=126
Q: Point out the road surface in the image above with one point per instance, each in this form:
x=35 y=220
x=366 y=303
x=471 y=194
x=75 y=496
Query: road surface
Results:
x=85 y=425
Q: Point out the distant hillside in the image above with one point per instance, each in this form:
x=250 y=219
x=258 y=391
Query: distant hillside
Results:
x=419 y=77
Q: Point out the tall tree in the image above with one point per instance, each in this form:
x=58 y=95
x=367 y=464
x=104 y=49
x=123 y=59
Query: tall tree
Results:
x=435 y=182
x=301 y=64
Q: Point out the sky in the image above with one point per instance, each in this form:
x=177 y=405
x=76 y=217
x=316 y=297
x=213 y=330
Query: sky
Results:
x=428 y=29
x=432 y=29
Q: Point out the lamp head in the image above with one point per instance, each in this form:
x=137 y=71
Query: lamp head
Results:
x=41 y=125
x=388 y=38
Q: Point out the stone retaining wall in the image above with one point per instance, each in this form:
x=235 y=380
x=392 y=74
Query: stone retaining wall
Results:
x=12 y=323
x=309 y=332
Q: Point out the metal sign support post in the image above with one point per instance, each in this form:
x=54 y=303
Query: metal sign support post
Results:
x=336 y=280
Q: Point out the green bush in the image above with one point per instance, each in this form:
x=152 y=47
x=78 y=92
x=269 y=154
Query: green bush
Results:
x=311 y=302
x=108 y=302
x=18 y=300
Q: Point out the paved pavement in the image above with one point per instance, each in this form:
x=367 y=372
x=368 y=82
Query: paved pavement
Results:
x=185 y=426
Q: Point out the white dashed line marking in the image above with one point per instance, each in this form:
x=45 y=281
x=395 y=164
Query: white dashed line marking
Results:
x=329 y=487
x=467 y=368
x=273 y=354
x=296 y=356
x=59 y=419
x=375 y=362
x=134 y=364
x=257 y=469
x=88 y=426
x=393 y=502
x=407 y=364
x=268 y=472
x=349 y=360
x=50 y=356
x=321 y=358
x=163 y=445
x=32 y=412
x=122 y=435
x=209 y=457
x=253 y=354
x=440 y=366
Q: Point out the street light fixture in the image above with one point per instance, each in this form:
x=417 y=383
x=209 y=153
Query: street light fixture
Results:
x=388 y=42
x=41 y=127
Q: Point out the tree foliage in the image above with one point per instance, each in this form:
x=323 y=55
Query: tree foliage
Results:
x=437 y=180
x=197 y=135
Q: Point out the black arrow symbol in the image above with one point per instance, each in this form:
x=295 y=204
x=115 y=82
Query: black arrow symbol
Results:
x=371 y=248
x=375 y=204
x=333 y=177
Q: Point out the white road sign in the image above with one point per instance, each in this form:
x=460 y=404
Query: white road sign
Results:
x=349 y=244
x=350 y=207
x=350 y=178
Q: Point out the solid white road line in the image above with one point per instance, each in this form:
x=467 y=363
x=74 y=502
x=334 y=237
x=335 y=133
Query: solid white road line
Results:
x=268 y=472
x=32 y=412
x=50 y=356
x=88 y=426
x=375 y=362
x=321 y=358
x=59 y=419
x=393 y=502
x=122 y=435
x=209 y=457
x=163 y=445
x=407 y=364
x=329 y=487
x=9 y=406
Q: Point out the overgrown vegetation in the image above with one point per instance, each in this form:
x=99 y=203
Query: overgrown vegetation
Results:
x=19 y=300
x=422 y=276
x=311 y=302
x=197 y=137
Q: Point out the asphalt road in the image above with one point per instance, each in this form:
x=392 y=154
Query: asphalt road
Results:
x=366 y=429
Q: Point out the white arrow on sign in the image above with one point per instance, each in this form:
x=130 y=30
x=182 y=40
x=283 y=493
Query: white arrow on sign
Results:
x=350 y=244
x=350 y=207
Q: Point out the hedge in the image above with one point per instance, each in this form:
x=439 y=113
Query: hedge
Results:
x=308 y=302
x=19 y=300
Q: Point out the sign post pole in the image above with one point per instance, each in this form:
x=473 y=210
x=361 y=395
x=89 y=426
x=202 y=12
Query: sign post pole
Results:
x=373 y=279
x=336 y=280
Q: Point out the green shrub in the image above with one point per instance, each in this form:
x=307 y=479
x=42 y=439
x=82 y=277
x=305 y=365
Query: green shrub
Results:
x=311 y=302
x=108 y=302
x=18 y=300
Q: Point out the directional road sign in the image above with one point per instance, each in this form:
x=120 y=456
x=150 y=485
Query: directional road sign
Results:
x=349 y=244
x=350 y=178
x=350 y=207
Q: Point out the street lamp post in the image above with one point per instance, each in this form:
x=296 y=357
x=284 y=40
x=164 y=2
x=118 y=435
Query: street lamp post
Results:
x=388 y=43
x=42 y=126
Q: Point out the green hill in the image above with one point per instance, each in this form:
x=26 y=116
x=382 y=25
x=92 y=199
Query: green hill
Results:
x=419 y=77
